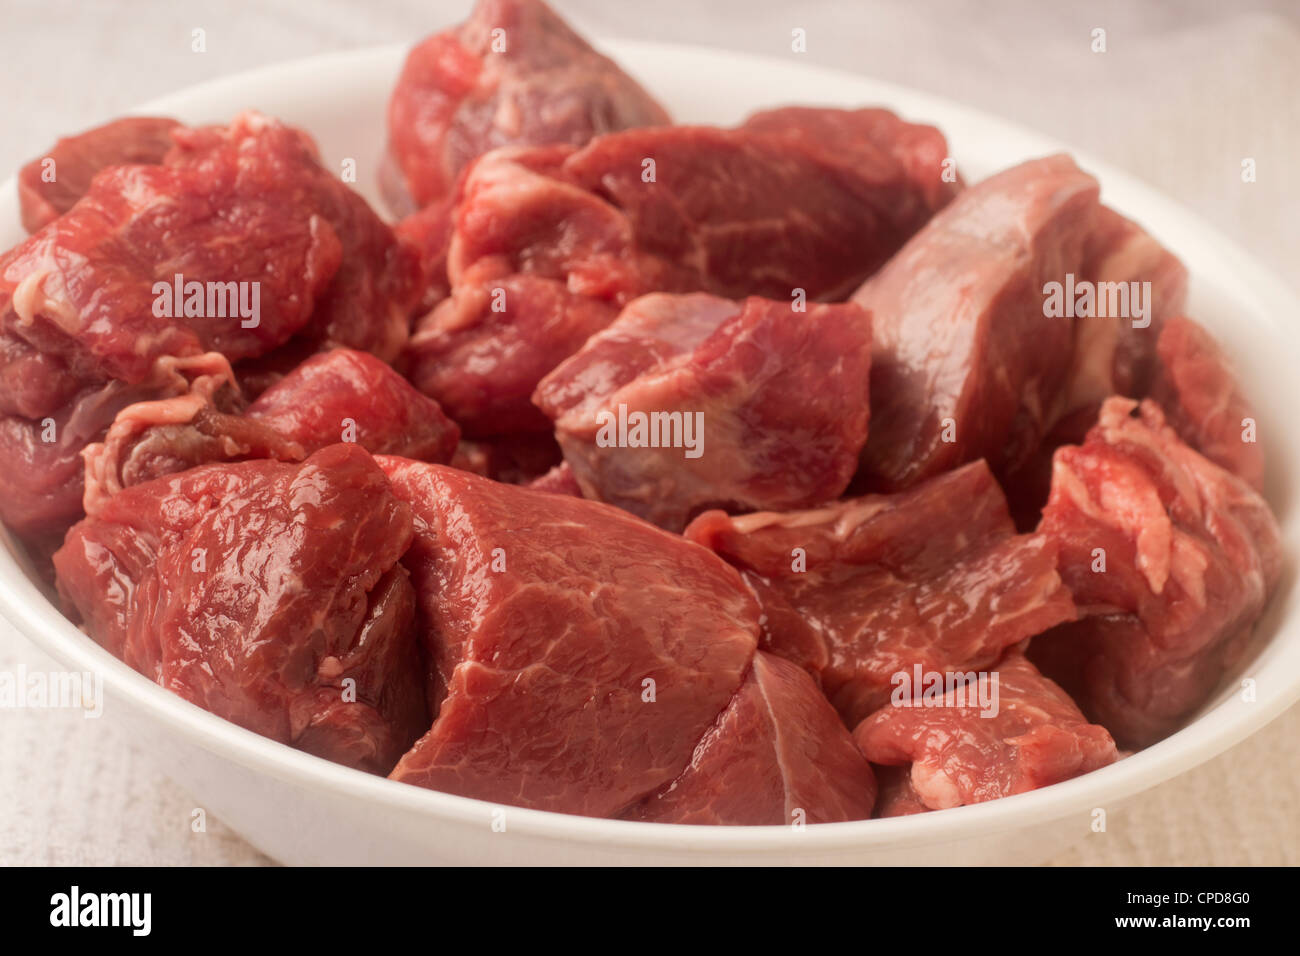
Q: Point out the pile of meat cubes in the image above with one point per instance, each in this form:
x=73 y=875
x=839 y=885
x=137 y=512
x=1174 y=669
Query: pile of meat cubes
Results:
x=703 y=475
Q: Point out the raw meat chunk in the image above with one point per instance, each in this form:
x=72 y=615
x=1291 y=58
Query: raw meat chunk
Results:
x=259 y=591
x=1171 y=560
x=348 y=395
x=42 y=496
x=869 y=588
x=548 y=244
x=1197 y=389
x=83 y=288
x=849 y=136
x=691 y=402
x=49 y=185
x=340 y=395
x=961 y=754
x=1115 y=354
x=737 y=212
x=578 y=652
x=371 y=295
x=966 y=364
x=513 y=74
x=485 y=374
x=777 y=755
x=91 y=320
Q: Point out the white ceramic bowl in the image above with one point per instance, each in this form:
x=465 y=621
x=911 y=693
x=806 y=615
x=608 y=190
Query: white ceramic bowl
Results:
x=301 y=809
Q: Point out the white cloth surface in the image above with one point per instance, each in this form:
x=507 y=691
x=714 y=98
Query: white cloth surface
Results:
x=1184 y=92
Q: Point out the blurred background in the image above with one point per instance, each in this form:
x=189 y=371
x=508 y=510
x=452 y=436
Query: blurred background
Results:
x=1185 y=90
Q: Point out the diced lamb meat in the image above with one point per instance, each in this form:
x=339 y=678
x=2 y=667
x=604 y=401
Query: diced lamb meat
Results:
x=1115 y=354
x=371 y=295
x=93 y=317
x=1197 y=389
x=962 y=753
x=693 y=402
x=777 y=755
x=579 y=653
x=49 y=185
x=549 y=244
x=850 y=136
x=1171 y=560
x=42 y=497
x=346 y=395
x=513 y=74
x=89 y=287
x=337 y=396
x=267 y=593
x=869 y=588
x=966 y=364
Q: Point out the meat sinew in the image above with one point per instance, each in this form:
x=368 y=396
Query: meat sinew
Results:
x=691 y=402
x=868 y=588
x=777 y=755
x=1171 y=560
x=337 y=396
x=267 y=593
x=966 y=364
x=513 y=74
x=578 y=653
x=961 y=753
x=549 y=244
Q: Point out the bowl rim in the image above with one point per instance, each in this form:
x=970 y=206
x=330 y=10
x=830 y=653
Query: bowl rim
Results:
x=27 y=608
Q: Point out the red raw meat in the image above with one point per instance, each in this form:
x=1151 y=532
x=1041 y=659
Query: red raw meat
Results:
x=896 y=797
x=82 y=288
x=161 y=436
x=1197 y=389
x=774 y=401
x=352 y=396
x=76 y=159
x=540 y=664
x=966 y=365
x=548 y=244
x=427 y=234
x=868 y=588
x=559 y=480
x=961 y=755
x=42 y=497
x=369 y=301
x=849 y=136
x=79 y=336
x=514 y=460
x=513 y=74
x=1112 y=354
x=777 y=755
x=257 y=591
x=340 y=395
x=1191 y=554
